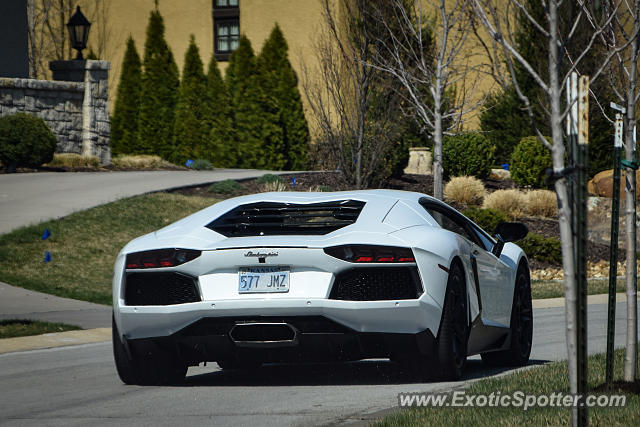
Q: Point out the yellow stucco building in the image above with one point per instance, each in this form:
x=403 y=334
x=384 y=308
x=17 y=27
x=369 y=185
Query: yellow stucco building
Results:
x=213 y=23
x=216 y=25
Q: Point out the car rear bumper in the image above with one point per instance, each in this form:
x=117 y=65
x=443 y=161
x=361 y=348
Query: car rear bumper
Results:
x=402 y=316
x=310 y=339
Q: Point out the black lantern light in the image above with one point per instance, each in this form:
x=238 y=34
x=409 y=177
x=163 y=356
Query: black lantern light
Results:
x=78 y=27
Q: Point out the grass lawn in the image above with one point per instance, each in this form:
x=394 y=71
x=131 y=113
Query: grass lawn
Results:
x=551 y=378
x=84 y=245
x=21 y=328
x=541 y=289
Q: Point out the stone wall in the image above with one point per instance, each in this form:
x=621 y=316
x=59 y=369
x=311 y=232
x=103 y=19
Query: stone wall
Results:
x=76 y=111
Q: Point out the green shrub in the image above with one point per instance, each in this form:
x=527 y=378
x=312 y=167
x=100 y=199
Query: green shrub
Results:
x=467 y=154
x=26 y=141
x=541 y=248
x=269 y=178
x=201 y=165
x=228 y=186
x=487 y=219
x=529 y=161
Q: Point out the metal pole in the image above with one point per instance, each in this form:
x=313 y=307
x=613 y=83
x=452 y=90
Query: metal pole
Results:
x=635 y=228
x=613 y=254
x=581 y=232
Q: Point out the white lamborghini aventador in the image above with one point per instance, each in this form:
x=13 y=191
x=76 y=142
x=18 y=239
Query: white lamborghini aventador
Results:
x=277 y=277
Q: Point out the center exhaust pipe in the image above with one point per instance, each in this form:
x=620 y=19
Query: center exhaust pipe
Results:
x=264 y=335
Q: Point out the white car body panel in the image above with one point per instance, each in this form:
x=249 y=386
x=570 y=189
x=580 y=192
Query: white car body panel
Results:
x=389 y=218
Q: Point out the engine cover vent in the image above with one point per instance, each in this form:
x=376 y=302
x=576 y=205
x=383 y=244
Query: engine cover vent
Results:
x=274 y=219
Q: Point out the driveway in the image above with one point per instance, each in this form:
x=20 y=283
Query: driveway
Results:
x=29 y=198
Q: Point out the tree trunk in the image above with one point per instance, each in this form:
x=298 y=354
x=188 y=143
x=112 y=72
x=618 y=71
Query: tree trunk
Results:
x=630 y=358
x=438 y=183
x=564 y=206
x=631 y=352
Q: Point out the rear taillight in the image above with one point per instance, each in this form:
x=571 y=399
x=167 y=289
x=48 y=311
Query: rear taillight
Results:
x=160 y=258
x=370 y=253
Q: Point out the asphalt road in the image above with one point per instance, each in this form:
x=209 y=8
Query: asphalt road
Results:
x=78 y=385
x=29 y=198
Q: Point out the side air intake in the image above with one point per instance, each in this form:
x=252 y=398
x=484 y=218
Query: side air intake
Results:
x=273 y=219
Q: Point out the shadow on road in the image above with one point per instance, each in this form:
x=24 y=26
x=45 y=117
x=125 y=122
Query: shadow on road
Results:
x=368 y=372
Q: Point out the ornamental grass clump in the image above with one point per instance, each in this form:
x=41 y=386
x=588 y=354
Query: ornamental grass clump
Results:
x=512 y=203
x=274 y=186
x=465 y=190
x=140 y=161
x=542 y=203
x=73 y=160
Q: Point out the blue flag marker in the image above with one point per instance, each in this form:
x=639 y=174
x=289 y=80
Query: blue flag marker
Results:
x=47 y=257
x=46 y=234
x=293 y=181
x=188 y=163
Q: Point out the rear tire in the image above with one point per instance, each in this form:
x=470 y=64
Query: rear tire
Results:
x=149 y=368
x=124 y=366
x=453 y=336
x=521 y=326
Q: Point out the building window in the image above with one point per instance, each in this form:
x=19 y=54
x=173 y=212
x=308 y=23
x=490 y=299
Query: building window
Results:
x=227 y=36
x=226 y=24
x=226 y=3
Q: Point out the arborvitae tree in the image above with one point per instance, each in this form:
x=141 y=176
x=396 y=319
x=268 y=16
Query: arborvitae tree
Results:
x=124 y=123
x=280 y=83
x=190 y=130
x=505 y=118
x=220 y=146
x=255 y=116
x=159 y=93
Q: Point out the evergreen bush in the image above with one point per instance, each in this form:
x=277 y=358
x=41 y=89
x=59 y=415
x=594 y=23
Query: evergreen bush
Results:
x=280 y=83
x=220 y=145
x=542 y=248
x=529 y=162
x=255 y=117
x=124 y=122
x=190 y=131
x=468 y=153
x=159 y=92
x=504 y=122
x=269 y=178
x=487 y=219
x=201 y=165
x=228 y=186
x=25 y=141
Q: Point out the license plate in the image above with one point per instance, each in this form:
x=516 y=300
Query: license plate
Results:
x=263 y=279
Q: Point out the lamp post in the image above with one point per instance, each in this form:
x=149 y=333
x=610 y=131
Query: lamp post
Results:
x=78 y=27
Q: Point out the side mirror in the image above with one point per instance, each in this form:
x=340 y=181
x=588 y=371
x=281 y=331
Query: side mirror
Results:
x=508 y=232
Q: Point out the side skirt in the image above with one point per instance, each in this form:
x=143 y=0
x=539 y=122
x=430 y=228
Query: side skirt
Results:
x=484 y=338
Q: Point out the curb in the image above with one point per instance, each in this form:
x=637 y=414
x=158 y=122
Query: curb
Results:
x=591 y=299
x=59 y=339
